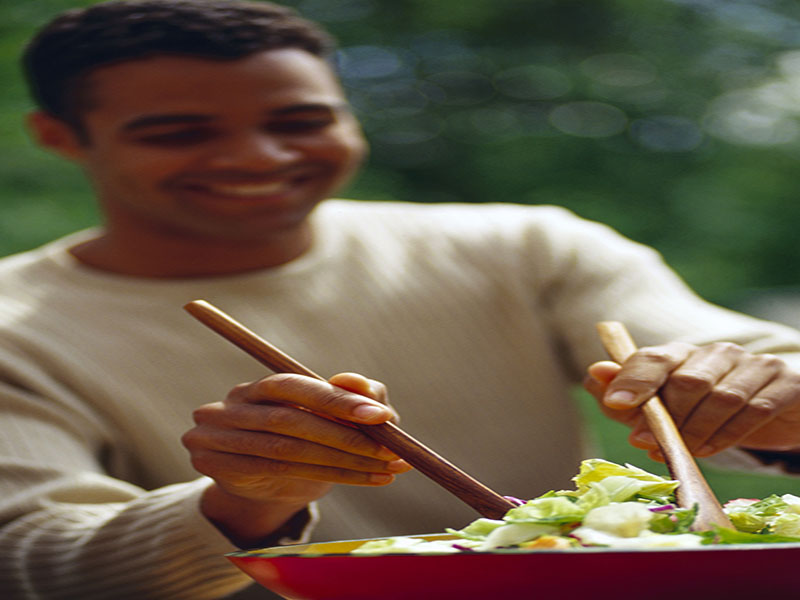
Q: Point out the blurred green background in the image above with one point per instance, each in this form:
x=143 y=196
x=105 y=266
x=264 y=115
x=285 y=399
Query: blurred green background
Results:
x=674 y=121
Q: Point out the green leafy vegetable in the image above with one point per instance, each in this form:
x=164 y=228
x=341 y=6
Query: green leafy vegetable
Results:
x=612 y=506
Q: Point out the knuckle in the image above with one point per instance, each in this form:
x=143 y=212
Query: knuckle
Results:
x=205 y=413
x=274 y=468
x=281 y=447
x=272 y=386
x=729 y=398
x=300 y=390
x=354 y=439
x=661 y=355
x=691 y=381
x=238 y=393
x=762 y=407
x=276 y=418
x=768 y=360
x=633 y=381
x=726 y=348
x=283 y=387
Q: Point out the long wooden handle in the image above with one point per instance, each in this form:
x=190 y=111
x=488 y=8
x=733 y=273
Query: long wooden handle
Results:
x=487 y=502
x=694 y=488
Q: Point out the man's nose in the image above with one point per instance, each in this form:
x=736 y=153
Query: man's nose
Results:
x=255 y=150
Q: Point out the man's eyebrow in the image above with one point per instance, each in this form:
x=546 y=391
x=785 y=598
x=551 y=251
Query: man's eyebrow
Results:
x=165 y=119
x=311 y=107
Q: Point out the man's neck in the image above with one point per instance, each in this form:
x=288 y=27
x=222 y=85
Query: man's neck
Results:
x=171 y=256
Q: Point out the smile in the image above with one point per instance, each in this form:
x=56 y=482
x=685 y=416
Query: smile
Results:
x=249 y=190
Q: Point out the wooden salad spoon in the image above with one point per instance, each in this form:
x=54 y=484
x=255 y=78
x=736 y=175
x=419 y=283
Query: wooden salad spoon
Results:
x=487 y=502
x=693 y=488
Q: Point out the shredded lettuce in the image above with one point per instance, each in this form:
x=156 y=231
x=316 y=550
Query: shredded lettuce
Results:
x=673 y=520
x=478 y=529
x=406 y=545
x=614 y=506
x=624 y=519
x=623 y=482
x=779 y=515
x=551 y=511
x=720 y=535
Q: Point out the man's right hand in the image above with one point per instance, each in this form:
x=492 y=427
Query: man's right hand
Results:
x=270 y=451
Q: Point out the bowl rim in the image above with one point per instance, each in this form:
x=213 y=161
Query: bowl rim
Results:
x=304 y=550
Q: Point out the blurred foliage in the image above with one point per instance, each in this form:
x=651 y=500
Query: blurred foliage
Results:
x=674 y=121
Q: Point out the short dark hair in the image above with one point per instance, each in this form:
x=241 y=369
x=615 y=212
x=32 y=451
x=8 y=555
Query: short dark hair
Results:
x=59 y=57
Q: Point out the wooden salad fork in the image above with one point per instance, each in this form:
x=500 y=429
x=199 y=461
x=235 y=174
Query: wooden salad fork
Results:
x=693 y=488
x=487 y=502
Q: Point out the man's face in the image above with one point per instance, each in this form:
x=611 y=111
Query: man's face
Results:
x=223 y=149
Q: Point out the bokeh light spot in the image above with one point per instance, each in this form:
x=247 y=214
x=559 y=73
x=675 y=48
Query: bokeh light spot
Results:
x=588 y=119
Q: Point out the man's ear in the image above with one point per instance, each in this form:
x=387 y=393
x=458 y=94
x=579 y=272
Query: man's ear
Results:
x=56 y=135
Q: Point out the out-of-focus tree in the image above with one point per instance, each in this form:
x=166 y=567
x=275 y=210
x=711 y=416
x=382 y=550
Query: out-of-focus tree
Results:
x=675 y=121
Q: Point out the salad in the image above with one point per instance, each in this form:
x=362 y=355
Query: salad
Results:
x=613 y=506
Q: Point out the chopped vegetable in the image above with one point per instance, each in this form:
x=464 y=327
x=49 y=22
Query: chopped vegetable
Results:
x=613 y=506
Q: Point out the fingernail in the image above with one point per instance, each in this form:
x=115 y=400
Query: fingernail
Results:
x=397 y=466
x=387 y=455
x=380 y=477
x=621 y=399
x=367 y=412
x=645 y=438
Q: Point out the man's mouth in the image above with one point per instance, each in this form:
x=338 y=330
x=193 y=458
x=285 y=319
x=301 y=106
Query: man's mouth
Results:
x=247 y=190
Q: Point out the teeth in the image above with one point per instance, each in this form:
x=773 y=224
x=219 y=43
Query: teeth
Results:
x=246 y=190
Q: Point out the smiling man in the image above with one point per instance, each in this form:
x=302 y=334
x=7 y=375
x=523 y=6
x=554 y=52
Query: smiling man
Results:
x=215 y=134
x=216 y=169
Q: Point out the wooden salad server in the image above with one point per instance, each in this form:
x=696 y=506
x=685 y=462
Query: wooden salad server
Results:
x=693 y=488
x=487 y=502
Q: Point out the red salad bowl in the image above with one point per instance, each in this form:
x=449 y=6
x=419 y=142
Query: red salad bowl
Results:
x=325 y=571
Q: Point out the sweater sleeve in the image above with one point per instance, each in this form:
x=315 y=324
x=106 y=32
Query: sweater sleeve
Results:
x=594 y=274
x=590 y=273
x=69 y=530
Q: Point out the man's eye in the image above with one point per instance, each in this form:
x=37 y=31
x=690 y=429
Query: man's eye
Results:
x=299 y=125
x=184 y=137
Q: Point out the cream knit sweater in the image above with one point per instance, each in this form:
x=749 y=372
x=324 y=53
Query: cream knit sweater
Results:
x=478 y=318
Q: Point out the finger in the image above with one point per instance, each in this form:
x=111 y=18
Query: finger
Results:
x=288 y=449
x=604 y=371
x=370 y=388
x=756 y=414
x=641 y=437
x=597 y=389
x=644 y=373
x=598 y=376
x=359 y=384
x=727 y=398
x=244 y=471
x=318 y=396
x=595 y=386
x=287 y=420
x=696 y=377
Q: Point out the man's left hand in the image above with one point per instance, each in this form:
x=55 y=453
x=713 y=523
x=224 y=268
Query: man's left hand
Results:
x=719 y=396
